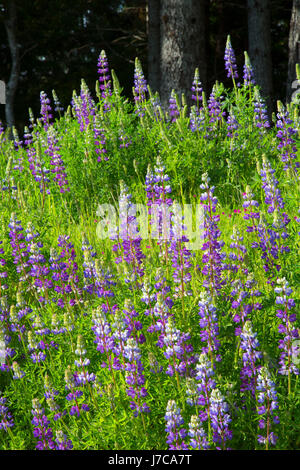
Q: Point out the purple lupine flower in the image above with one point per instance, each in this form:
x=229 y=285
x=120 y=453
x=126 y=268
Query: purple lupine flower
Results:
x=58 y=170
x=230 y=61
x=88 y=266
x=197 y=434
x=68 y=322
x=154 y=368
x=177 y=350
x=38 y=268
x=15 y=324
x=273 y=196
x=74 y=394
x=209 y=326
x=261 y=119
x=160 y=209
x=19 y=248
x=104 y=281
x=270 y=245
x=124 y=139
x=197 y=119
x=41 y=430
x=100 y=139
x=174 y=111
x=135 y=378
x=174 y=430
x=17 y=372
x=272 y=235
x=267 y=405
x=134 y=325
x=28 y=139
x=50 y=395
x=232 y=125
x=148 y=295
x=248 y=74
x=160 y=314
x=56 y=328
x=130 y=240
x=39 y=326
x=289 y=351
x=62 y=442
x=197 y=90
x=84 y=106
x=82 y=376
x=220 y=419
x=17 y=142
x=6 y=418
x=50 y=391
x=215 y=109
x=149 y=187
x=64 y=272
x=248 y=204
x=54 y=408
x=243 y=300
x=251 y=354
x=140 y=88
x=164 y=301
x=205 y=384
x=287 y=140
x=58 y=108
x=23 y=308
x=97 y=280
x=36 y=348
x=161 y=187
x=104 y=338
x=213 y=256
x=38 y=168
x=104 y=77
x=46 y=110
x=193 y=396
x=161 y=286
x=236 y=256
x=42 y=331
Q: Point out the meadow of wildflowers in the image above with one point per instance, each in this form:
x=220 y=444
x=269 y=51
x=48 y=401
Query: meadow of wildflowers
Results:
x=149 y=270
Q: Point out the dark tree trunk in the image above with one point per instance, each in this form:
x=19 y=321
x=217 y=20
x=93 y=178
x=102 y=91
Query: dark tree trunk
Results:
x=182 y=37
x=10 y=22
x=294 y=49
x=153 y=44
x=259 y=38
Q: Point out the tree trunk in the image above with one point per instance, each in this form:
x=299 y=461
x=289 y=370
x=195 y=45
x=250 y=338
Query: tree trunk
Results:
x=10 y=23
x=182 y=37
x=259 y=39
x=294 y=49
x=153 y=25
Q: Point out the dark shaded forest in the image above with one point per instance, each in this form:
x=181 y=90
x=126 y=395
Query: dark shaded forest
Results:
x=53 y=45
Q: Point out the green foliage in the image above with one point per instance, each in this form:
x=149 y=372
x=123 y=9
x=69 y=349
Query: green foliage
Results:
x=232 y=164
